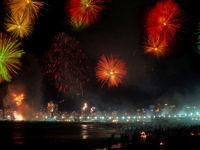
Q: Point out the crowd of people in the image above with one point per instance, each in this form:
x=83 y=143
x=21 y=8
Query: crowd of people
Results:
x=157 y=135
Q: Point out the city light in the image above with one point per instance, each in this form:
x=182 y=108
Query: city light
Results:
x=93 y=114
x=84 y=107
x=161 y=143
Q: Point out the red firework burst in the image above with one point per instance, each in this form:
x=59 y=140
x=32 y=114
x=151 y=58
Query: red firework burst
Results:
x=84 y=12
x=110 y=70
x=67 y=65
x=164 y=20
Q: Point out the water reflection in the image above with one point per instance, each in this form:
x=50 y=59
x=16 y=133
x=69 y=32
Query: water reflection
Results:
x=18 y=138
x=118 y=145
x=94 y=135
x=84 y=131
x=17 y=135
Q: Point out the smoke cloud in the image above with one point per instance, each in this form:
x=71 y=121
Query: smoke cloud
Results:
x=29 y=83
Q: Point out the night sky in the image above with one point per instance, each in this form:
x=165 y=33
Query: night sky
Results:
x=174 y=79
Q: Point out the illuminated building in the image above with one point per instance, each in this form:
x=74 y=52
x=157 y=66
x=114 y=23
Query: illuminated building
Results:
x=105 y=115
x=114 y=115
x=138 y=112
x=85 y=112
x=9 y=114
x=74 y=116
x=64 y=115
x=1 y=114
x=52 y=109
x=172 y=109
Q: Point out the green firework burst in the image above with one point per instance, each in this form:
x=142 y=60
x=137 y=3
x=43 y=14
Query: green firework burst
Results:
x=10 y=57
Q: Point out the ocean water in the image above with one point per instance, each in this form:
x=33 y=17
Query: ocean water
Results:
x=76 y=135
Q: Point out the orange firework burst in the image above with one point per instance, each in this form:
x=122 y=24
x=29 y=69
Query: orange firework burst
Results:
x=18 y=26
x=155 y=47
x=110 y=70
x=84 y=12
x=25 y=8
x=18 y=99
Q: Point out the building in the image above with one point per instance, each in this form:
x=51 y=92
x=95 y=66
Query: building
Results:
x=114 y=115
x=1 y=114
x=9 y=114
x=52 y=109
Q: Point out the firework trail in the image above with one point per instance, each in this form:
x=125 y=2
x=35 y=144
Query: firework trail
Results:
x=84 y=12
x=67 y=65
x=10 y=54
x=110 y=70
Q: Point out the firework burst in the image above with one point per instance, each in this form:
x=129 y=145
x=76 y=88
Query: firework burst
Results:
x=18 y=26
x=155 y=47
x=10 y=54
x=26 y=8
x=164 y=20
x=22 y=16
x=67 y=65
x=84 y=12
x=110 y=70
x=18 y=98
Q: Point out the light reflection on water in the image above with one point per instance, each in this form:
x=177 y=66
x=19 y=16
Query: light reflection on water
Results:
x=19 y=133
x=18 y=138
x=95 y=131
x=84 y=131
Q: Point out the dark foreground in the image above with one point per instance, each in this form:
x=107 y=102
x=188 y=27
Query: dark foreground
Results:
x=37 y=134
x=139 y=136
